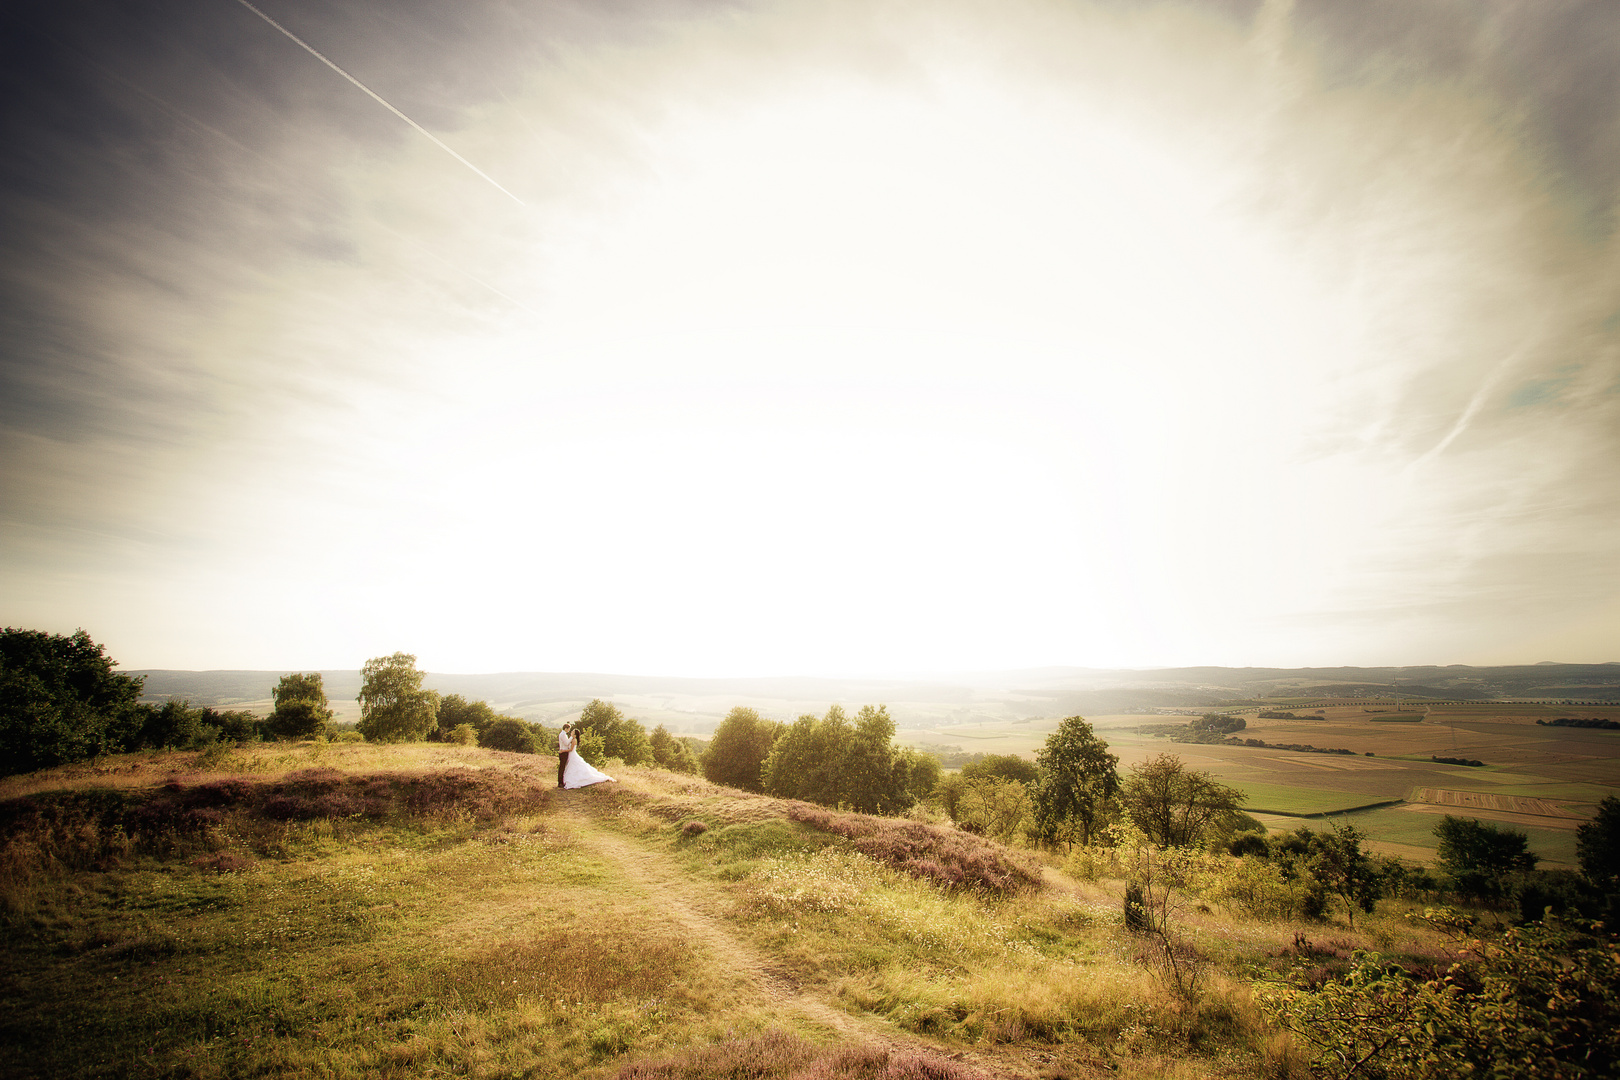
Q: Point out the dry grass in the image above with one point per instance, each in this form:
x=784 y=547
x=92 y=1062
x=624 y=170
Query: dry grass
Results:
x=940 y=854
x=777 y=1055
x=382 y=911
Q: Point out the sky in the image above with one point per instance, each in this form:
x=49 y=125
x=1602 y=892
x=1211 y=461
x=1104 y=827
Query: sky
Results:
x=827 y=337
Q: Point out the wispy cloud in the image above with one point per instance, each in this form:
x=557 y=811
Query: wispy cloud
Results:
x=832 y=337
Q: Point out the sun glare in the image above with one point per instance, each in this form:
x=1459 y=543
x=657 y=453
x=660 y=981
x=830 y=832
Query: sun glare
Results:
x=957 y=351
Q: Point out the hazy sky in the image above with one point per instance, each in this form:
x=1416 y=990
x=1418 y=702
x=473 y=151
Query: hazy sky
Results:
x=812 y=336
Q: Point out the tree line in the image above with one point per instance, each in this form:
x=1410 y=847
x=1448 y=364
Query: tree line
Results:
x=61 y=701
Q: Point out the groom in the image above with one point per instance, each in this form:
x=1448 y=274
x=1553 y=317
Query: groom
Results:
x=563 y=742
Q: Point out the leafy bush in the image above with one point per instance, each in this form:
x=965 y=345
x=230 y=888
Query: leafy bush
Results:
x=739 y=748
x=301 y=709
x=1002 y=767
x=508 y=734
x=1482 y=860
x=61 y=701
x=1542 y=1001
x=1136 y=912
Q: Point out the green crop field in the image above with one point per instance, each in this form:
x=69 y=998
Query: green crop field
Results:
x=1289 y=799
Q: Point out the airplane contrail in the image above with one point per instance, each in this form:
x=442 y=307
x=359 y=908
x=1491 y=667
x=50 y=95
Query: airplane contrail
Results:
x=307 y=47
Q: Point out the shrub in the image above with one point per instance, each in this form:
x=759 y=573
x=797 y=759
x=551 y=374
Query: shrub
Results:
x=1543 y=1001
x=1136 y=912
x=61 y=701
x=947 y=857
x=301 y=710
x=510 y=735
x=1482 y=860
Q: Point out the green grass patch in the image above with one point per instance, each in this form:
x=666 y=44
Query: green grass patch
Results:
x=1296 y=801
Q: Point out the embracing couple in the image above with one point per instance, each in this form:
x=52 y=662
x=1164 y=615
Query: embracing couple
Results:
x=573 y=771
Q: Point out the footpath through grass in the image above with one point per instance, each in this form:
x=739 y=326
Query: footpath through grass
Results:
x=447 y=912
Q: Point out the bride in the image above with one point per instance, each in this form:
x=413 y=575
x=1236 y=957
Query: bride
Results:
x=578 y=772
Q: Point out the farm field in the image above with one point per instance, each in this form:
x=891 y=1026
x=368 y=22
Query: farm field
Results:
x=1545 y=781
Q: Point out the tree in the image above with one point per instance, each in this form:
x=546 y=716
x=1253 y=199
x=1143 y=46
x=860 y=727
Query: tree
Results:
x=671 y=753
x=831 y=761
x=233 y=725
x=456 y=710
x=805 y=760
x=301 y=709
x=1482 y=860
x=1002 y=766
x=1172 y=804
x=1077 y=783
x=1344 y=869
x=739 y=748
x=922 y=774
x=994 y=806
x=621 y=737
x=875 y=774
x=1597 y=845
x=948 y=792
x=393 y=705
x=174 y=725
x=61 y=701
x=509 y=734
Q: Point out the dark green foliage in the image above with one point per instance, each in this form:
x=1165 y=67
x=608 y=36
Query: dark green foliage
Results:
x=508 y=734
x=393 y=705
x=1408 y=882
x=1248 y=843
x=1597 y=845
x=922 y=774
x=233 y=725
x=831 y=761
x=1219 y=723
x=1078 y=783
x=1558 y=894
x=1482 y=860
x=948 y=794
x=1002 y=767
x=1542 y=1002
x=739 y=748
x=671 y=753
x=1337 y=861
x=61 y=701
x=1174 y=805
x=301 y=710
x=620 y=737
x=174 y=725
x=455 y=710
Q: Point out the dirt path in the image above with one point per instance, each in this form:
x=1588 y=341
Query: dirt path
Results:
x=698 y=907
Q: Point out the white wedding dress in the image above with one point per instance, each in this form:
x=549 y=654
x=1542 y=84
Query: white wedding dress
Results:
x=580 y=773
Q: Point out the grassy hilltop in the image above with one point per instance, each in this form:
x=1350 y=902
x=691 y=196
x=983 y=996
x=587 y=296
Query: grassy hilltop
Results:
x=426 y=909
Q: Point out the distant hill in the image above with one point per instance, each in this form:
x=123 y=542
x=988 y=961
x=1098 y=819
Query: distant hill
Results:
x=697 y=704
